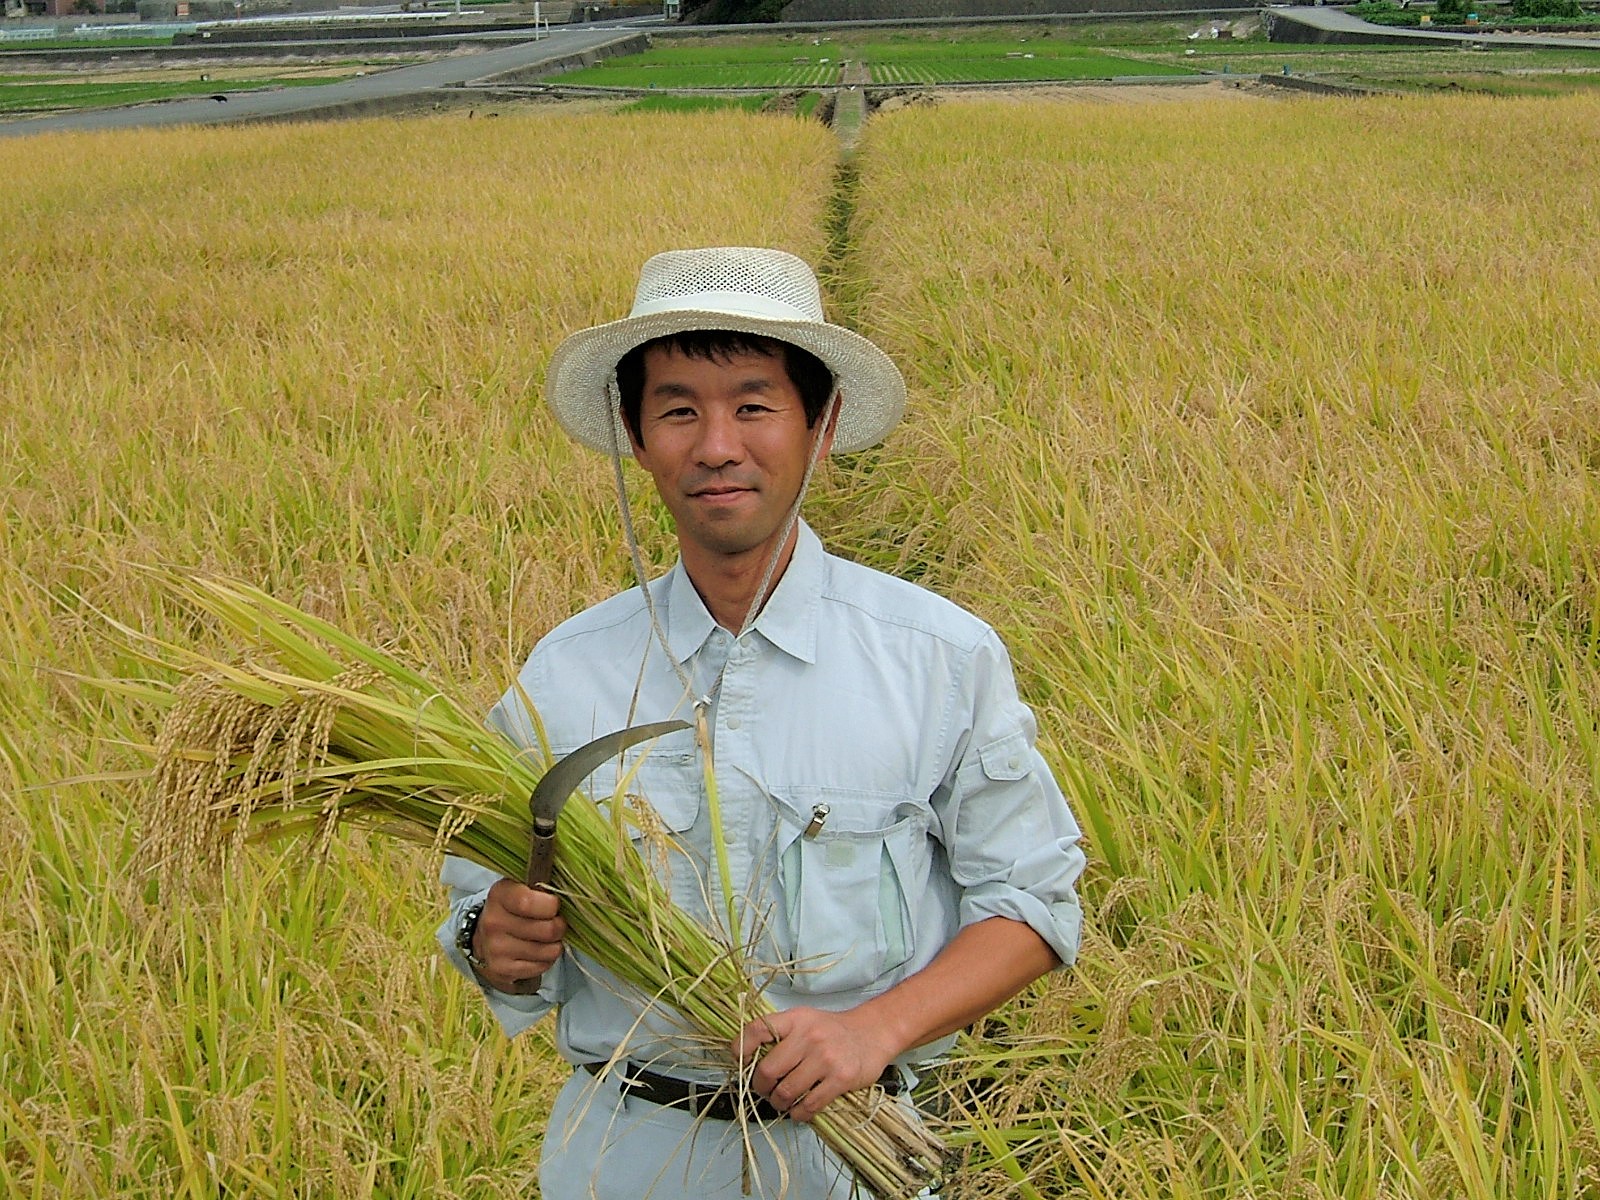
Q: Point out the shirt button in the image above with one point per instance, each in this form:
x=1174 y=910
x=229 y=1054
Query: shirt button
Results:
x=1013 y=762
x=734 y=722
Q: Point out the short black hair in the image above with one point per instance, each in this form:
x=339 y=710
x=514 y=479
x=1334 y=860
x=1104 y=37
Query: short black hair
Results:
x=806 y=371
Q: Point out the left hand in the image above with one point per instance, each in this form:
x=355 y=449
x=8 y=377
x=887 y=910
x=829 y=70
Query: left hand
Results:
x=813 y=1057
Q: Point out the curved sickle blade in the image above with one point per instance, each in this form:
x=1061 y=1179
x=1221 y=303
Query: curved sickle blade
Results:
x=561 y=780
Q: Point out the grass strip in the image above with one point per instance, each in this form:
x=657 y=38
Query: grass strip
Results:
x=19 y=96
x=684 y=104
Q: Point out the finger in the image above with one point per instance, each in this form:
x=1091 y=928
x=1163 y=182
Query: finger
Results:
x=520 y=900
x=752 y=1037
x=523 y=929
x=795 y=1087
x=504 y=945
x=519 y=960
x=804 y=1034
x=499 y=945
x=814 y=1101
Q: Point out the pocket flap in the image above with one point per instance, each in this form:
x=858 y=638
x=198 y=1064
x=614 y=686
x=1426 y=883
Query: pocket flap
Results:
x=667 y=778
x=1006 y=758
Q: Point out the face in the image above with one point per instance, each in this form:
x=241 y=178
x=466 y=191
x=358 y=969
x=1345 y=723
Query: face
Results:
x=727 y=444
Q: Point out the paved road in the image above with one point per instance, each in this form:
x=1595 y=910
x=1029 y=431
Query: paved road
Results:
x=350 y=95
x=1352 y=29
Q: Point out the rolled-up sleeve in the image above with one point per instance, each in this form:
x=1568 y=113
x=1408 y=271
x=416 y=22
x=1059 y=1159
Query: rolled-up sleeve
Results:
x=1011 y=839
x=468 y=884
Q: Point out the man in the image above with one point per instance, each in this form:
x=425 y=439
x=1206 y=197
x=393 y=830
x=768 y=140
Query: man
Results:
x=899 y=857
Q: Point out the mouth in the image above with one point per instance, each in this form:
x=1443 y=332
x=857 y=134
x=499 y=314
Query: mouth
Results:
x=721 y=493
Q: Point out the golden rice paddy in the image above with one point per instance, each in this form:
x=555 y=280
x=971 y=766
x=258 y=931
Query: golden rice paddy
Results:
x=1265 y=434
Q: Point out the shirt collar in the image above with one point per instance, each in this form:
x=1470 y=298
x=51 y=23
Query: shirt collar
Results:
x=789 y=620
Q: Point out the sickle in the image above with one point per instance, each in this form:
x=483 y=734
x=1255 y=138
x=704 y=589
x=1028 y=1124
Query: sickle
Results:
x=562 y=779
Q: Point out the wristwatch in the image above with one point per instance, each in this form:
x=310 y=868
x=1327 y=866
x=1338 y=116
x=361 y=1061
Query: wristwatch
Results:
x=467 y=931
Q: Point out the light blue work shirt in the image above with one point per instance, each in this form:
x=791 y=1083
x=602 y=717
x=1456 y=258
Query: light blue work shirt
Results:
x=855 y=695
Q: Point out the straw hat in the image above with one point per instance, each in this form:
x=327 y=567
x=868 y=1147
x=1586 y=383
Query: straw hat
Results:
x=743 y=289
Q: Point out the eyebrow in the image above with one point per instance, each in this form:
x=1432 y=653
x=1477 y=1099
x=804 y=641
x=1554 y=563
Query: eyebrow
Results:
x=668 y=388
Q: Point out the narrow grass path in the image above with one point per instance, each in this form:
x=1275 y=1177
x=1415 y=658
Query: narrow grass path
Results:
x=841 y=274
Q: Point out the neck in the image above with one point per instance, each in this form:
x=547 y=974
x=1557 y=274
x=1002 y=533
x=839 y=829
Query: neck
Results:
x=727 y=583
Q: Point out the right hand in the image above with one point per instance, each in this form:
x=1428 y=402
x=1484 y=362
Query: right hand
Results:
x=519 y=936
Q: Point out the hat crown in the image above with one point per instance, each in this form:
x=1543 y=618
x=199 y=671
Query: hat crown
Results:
x=746 y=281
x=741 y=289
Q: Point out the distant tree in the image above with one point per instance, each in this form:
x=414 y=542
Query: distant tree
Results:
x=731 y=12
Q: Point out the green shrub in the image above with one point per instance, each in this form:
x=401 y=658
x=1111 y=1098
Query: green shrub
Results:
x=1524 y=9
x=1385 y=12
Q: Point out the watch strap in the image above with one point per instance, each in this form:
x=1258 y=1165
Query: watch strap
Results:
x=467 y=932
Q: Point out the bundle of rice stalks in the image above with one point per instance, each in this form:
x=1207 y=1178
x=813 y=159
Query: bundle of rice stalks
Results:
x=330 y=732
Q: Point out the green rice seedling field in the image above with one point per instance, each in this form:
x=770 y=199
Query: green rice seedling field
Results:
x=802 y=105
x=1000 y=61
x=1266 y=433
x=37 y=93
x=677 y=103
x=1385 y=65
x=747 y=63
x=1101 y=50
x=78 y=43
x=733 y=65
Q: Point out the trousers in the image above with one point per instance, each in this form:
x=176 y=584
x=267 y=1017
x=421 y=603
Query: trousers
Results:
x=603 y=1145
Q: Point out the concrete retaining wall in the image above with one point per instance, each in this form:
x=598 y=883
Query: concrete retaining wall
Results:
x=889 y=10
x=1280 y=30
x=637 y=44
x=1299 y=83
x=449 y=99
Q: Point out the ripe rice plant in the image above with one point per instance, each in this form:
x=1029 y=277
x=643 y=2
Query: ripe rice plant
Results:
x=1267 y=435
x=330 y=734
x=309 y=357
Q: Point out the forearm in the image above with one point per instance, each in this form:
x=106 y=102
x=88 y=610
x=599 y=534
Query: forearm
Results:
x=984 y=965
x=515 y=1008
x=820 y=1055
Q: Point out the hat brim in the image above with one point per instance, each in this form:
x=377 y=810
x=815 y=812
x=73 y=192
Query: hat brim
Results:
x=872 y=393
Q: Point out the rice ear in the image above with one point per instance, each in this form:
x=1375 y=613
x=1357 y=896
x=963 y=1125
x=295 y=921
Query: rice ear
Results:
x=332 y=732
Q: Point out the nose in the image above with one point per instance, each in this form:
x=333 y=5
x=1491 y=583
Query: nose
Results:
x=719 y=443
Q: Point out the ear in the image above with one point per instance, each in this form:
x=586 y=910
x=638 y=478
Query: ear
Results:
x=830 y=423
x=635 y=446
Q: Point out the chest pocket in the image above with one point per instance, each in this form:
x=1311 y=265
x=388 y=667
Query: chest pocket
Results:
x=848 y=881
x=662 y=787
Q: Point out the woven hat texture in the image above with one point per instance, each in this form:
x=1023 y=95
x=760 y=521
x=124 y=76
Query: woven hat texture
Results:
x=744 y=289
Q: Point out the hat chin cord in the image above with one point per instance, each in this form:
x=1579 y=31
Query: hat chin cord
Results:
x=619 y=439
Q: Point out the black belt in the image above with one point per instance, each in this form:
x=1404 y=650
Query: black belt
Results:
x=714 y=1101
